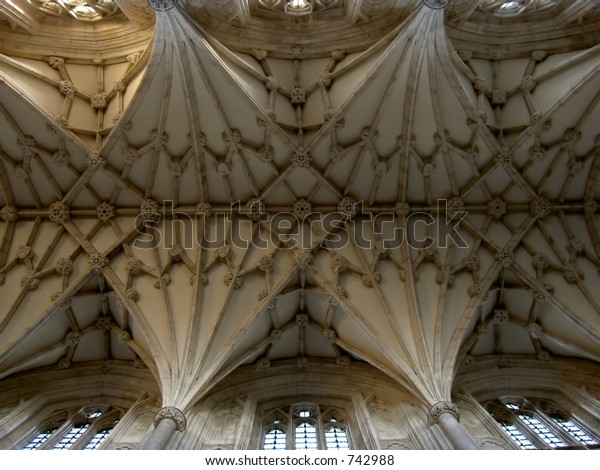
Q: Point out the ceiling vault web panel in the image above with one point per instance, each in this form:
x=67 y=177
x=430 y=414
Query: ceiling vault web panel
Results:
x=249 y=207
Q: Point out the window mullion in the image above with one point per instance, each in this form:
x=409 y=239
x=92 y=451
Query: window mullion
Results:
x=87 y=435
x=72 y=429
x=291 y=434
x=544 y=423
x=530 y=433
x=58 y=434
x=320 y=431
x=306 y=428
x=348 y=436
x=558 y=430
x=79 y=421
x=586 y=429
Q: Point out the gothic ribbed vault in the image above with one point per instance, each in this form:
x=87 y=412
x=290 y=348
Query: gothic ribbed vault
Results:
x=179 y=195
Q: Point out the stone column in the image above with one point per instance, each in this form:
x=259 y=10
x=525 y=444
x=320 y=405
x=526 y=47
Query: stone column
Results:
x=446 y=415
x=168 y=420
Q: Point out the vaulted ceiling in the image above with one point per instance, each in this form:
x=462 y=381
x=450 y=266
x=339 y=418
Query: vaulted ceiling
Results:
x=221 y=184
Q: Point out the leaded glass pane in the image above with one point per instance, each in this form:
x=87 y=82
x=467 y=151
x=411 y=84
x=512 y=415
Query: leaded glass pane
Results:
x=306 y=436
x=517 y=436
x=575 y=431
x=39 y=439
x=71 y=437
x=98 y=439
x=304 y=426
x=542 y=431
x=336 y=438
x=275 y=439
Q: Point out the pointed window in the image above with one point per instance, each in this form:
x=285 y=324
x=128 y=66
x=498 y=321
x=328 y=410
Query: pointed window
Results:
x=540 y=424
x=306 y=436
x=576 y=431
x=71 y=437
x=98 y=439
x=38 y=440
x=275 y=439
x=86 y=428
x=305 y=427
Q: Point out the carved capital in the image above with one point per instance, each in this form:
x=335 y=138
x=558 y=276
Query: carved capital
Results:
x=436 y=4
x=172 y=413
x=440 y=408
x=162 y=5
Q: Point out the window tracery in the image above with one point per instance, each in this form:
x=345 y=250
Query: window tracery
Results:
x=83 y=428
x=40 y=438
x=305 y=427
x=540 y=424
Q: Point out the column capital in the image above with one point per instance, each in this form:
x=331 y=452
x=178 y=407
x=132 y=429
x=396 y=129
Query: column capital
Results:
x=436 y=4
x=172 y=413
x=162 y=5
x=440 y=408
